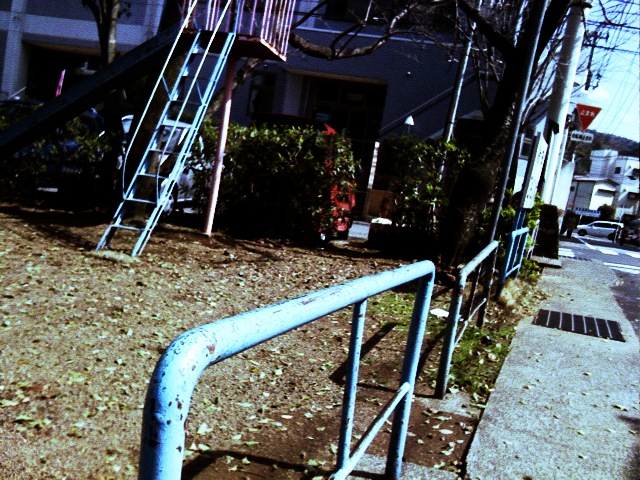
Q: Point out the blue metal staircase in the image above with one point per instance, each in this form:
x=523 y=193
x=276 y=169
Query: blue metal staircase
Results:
x=166 y=155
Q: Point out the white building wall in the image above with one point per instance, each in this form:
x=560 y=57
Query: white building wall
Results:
x=601 y=161
x=29 y=22
x=601 y=197
x=563 y=185
x=628 y=171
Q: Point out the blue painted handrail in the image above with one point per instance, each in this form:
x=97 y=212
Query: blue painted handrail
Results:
x=178 y=370
x=452 y=336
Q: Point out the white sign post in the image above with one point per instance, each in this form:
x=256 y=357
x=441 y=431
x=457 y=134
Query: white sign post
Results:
x=534 y=170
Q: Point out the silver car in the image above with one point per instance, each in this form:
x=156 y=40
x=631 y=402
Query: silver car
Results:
x=600 y=228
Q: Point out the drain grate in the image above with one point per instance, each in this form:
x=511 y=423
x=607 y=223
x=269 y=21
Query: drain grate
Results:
x=569 y=322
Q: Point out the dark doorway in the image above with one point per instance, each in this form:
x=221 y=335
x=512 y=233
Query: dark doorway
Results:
x=50 y=68
x=353 y=109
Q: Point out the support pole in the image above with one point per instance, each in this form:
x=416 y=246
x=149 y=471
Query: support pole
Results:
x=457 y=89
x=537 y=15
x=561 y=93
x=222 y=141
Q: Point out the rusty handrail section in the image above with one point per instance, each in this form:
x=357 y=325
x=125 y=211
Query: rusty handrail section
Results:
x=178 y=370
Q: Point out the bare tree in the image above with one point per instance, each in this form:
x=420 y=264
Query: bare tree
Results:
x=501 y=38
x=106 y=14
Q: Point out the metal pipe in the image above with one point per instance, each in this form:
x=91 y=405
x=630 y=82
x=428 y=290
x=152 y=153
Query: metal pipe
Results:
x=222 y=141
x=409 y=372
x=514 y=244
x=453 y=319
x=178 y=370
x=349 y=400
x=372 y=431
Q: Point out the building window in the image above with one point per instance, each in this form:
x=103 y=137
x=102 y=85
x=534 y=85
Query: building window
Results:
x=618 y=170
x=432 y=16
x=261 y=93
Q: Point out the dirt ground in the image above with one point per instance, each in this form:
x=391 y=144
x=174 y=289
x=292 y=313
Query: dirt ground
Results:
x=81 y=332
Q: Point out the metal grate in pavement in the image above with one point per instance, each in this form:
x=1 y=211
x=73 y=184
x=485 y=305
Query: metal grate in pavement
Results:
x=569 y=322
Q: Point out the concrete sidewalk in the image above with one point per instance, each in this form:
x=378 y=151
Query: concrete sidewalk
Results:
x=565 y=405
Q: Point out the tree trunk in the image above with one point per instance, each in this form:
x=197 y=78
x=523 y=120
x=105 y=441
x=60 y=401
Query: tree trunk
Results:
x=477 y=180
x=171 y=15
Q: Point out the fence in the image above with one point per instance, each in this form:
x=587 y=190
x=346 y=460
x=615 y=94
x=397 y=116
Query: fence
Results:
x=264 y=20
x=484 y=263
x=514 y=253
x=178 y=370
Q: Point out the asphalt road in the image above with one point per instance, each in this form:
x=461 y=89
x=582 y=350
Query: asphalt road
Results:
x=623 y=260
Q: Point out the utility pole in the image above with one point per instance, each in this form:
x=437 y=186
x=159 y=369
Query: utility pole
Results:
x=537 y=16
x=561 y=94
x=457 y=89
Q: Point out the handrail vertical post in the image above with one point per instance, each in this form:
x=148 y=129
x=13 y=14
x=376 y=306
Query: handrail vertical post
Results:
x=351 y=383
x=449 y=338
x=487 y=287
x=487 y=256
x=508 y=258
x=409 y=371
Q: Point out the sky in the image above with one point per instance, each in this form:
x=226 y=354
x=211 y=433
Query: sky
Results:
x=618 y=91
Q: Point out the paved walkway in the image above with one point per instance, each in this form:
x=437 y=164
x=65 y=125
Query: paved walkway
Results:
x=565 y=405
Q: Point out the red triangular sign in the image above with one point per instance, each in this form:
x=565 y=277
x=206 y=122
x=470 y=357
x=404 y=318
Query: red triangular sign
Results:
x=587 y=114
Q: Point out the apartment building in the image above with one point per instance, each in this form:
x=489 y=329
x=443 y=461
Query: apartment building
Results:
x=46 y=44
x=51 y=44
x=612 y=180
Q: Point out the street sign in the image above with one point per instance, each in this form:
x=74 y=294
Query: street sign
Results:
x=534 y=170
x=578 y=136
x=587 y=212
x=587 y=114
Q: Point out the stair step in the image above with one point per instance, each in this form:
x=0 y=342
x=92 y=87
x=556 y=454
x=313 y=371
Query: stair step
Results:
x=152 y=175
x=128 y=227
x=140 y=200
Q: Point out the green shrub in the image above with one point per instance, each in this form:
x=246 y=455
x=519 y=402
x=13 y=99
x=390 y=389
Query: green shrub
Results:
x=419 y=175
x=76 y=146
x=277 y=181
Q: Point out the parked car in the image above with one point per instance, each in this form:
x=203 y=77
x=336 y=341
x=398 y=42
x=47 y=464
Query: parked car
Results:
x=600 y=228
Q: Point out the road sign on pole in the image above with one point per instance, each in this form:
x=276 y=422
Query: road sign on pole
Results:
x=578 y=136
x=587 y=114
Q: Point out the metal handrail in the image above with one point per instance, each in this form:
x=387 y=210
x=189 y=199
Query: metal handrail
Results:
x=514 y=253
x=452 y=336
x=268 y=20
x=178 y=370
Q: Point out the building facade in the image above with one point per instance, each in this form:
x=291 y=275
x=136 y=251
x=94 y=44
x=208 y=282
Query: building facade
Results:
x=54 y=43
x=48 y=43
x=612 y=180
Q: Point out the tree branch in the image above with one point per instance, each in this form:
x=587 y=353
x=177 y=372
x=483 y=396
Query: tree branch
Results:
x=494 y=36
x=336 y=51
